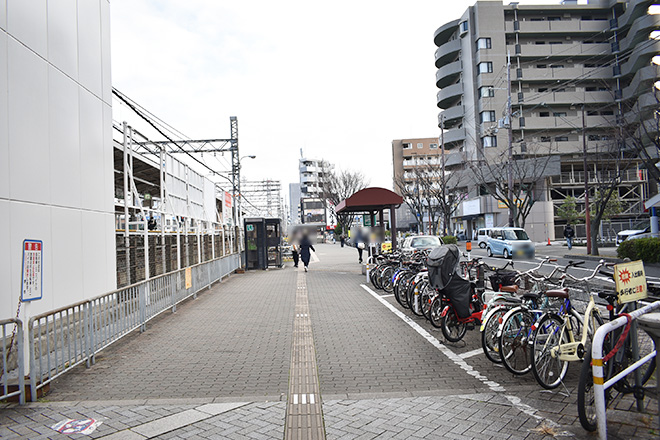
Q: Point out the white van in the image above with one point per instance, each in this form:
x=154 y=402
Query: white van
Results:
x=482 y=237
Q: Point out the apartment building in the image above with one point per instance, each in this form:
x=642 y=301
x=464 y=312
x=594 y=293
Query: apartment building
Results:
x=409 y=155
x=310 y=189
x=575 y=70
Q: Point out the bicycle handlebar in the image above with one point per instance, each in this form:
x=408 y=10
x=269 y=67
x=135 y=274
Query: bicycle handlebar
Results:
x=601 y=264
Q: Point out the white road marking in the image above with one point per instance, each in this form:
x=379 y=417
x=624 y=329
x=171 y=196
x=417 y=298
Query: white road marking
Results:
x=295 y=399
x=315 y=258
x=386 y=296
x=304 y=399
x=470 y=354
x=494 y=386
x=311 y=399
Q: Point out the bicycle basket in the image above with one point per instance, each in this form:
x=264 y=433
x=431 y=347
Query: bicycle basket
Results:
x=459 y=292
x=502 y=278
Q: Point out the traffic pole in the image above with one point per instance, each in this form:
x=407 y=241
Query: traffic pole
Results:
x=468 y=249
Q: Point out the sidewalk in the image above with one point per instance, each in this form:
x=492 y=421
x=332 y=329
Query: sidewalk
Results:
x=219 y=368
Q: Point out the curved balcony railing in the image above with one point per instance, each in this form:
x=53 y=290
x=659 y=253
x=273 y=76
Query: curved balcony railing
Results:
x=642 y=81
x=451 y=114
x=454 y=135
x=640 y=57
x=634 y=10
x=447 y=52
x=444 y=32
x=449 y=95
x=639 y=31
x=448 y=74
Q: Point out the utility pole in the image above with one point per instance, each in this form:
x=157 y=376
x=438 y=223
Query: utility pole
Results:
x=510 y=131
x=587 y=214
x=442 y=182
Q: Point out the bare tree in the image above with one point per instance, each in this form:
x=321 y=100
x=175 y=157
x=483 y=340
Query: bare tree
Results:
x=530 y=173
x=412 y=191
x=338 y=186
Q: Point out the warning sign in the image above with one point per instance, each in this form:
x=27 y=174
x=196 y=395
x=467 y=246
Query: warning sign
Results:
x=630 y=281
x=32 y=272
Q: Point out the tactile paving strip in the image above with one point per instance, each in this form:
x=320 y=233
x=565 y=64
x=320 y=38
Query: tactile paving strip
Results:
x=304 y=418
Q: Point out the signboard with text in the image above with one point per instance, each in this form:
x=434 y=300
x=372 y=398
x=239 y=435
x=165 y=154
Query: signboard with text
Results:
x=227 y=208
x=630 y=280
x=32 y=270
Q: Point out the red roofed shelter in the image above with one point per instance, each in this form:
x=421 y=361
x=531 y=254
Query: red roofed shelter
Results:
x=372 y=200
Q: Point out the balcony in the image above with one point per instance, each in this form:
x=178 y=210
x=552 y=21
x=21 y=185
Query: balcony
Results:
x=447 y=52
x=448 y=74
x=564 y=74
x=642 y=81
x=536 y=98
x=449 y=95
x=444 y=32
x=635 y=9
x=452 y=114
x=560 y=50
x=640 y=57
x=566 y=26
x=454 y=135
x=640 y=31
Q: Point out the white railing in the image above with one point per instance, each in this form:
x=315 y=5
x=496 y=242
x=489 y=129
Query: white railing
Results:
x=600 y=385
x=12 y=381
x=64 y=338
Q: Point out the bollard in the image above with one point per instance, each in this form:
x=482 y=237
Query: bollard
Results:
x=468 y=249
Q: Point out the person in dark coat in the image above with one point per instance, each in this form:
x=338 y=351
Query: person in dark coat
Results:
x=294 y=254
x=569 y=234
x=305 y=246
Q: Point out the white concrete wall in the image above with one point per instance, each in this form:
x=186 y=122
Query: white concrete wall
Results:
x=56 y=159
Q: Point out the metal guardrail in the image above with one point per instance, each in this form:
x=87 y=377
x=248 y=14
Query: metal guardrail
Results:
x=13 y=368
x=61 y=339
x=597 y=361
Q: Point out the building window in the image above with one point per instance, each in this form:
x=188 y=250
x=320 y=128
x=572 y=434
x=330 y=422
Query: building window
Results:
x=544 y=114
x=541 y=66
x=489 y=141
x=561 y=139
x=559 y=114
x=433 y=146
x=464 y=26
x=555 y=42
x=486 y=92
x=487 y=116
x=407 y=146
x=557 y=66
x=420 y=145
x=546 y=139
x=554 y=18
x=486 y=67
x=484 y=43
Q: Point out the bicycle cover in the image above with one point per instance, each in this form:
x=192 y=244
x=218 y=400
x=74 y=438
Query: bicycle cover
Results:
x=443 y=263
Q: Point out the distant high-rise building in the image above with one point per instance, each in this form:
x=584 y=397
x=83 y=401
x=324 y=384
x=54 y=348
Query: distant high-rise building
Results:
x=578 y=72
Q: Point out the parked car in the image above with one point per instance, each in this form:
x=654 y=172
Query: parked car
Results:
x=642 y=227
x=510 y=242
x=482 y=237
x=421 y=242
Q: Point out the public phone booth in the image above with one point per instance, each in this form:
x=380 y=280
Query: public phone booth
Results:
x=263 y=242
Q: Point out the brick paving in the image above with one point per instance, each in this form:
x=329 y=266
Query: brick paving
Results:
x=378 y=377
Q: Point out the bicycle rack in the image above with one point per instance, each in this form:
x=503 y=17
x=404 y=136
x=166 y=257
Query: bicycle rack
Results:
x=597 y=364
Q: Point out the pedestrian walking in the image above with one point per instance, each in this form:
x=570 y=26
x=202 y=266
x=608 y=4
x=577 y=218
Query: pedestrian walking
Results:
x=569 y=233
x=360 y=244
x=294 y=254
x=305 y=246
x=342 y=239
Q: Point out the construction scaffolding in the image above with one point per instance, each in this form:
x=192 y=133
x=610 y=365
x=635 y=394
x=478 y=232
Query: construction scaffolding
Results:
x=263 y=198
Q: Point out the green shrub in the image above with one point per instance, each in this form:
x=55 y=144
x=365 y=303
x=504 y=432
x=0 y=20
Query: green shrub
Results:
x=449 y=239
x=645 y=249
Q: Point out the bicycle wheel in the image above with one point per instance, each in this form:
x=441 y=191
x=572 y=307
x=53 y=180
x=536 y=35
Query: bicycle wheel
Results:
x=624 y=358
x=436 y=312
x=426 y=295
x=374 y=278
x=401 y=288
x=416 y=298
x=586 y=401
x=386 y=279
x=489 y=335
x=547 y=368
x=452 y=329
x=513 y=338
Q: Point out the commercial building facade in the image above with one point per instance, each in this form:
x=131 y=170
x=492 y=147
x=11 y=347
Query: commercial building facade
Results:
x=581 y=78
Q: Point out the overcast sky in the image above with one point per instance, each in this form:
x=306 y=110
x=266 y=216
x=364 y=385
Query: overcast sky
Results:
x=339 y=80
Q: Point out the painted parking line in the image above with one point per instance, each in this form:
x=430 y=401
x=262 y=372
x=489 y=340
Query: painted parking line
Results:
x=470 y=354
x=460 y=362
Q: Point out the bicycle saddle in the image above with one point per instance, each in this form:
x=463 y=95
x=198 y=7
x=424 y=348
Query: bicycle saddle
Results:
x=510 y=289
x=557 y=293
